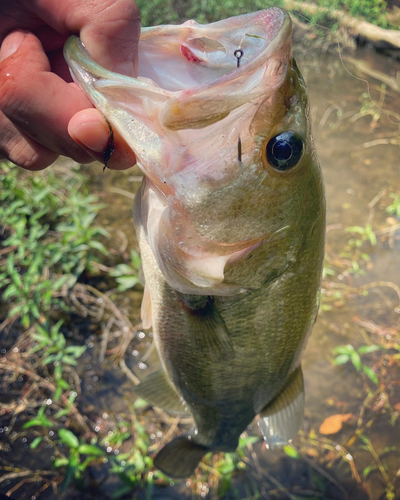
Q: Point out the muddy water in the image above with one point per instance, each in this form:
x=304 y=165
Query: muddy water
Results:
x=358 y=173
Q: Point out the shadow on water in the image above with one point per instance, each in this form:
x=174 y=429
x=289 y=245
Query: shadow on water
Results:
x=349 y=117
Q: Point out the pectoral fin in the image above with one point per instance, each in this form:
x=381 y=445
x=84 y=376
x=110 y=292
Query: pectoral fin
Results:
x=280 y=421
x=145 y=310
x=180 y=457
x=157 y=390
x=207 y=328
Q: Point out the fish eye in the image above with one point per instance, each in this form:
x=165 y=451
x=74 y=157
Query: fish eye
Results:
x=284 y=150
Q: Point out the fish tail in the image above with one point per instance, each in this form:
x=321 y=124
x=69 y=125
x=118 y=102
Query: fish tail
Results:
x=180 y=457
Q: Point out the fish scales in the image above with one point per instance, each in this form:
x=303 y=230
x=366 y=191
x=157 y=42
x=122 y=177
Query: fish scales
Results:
x=230 y=220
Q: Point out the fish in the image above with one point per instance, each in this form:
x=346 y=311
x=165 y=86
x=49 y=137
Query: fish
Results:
x=230 y=220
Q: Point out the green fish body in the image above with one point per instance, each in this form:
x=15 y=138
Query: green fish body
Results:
x=230 y=221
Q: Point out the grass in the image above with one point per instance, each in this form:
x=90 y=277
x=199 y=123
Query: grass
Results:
x=157 y=12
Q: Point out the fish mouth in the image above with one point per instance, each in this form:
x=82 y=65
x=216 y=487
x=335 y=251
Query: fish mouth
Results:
x=211 y=54
x=184 y=68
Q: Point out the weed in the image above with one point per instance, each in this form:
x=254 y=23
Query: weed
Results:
x=81 y=455
x=346 y=353
x=394 y=208
x=50 y=240
x=364 y=234
x=54 y=350
x=127 y=276
x=173 y=11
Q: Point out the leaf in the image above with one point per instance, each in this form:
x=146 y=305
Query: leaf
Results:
x=10 y=291
x=135 y=259
x=246 y=441
x=51 y=358
x=75 y=350
x=63 y=412
x=98 y=246
x=356 y=360
x=355 y=229
x=344 y=349
x=60 y=281
x=226 y=468
x=68 y=438
x=126 y=282
x=89 y=449
x=291 y=452
x=60 y=462
x=140 y=403
x=35 y=311
x=56 y=328
x=366 y=349
x=31 y=423
x=35 y=443
x=341 y=359
x=369 y=372
x=68 y=360
x=121 y=270
x=69 y=474
x=334 y=423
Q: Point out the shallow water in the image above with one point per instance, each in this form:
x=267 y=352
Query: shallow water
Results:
x=327 y=466
x=356 y=171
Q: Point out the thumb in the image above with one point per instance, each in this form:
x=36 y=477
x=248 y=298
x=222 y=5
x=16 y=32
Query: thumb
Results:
x=110 y=29
x=111 y=35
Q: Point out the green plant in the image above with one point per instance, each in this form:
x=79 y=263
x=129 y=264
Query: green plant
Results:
x=81 y=455
x=125 y=275
x=55 y=350
x=394 y=208
x=39 y=420
x=346 y=353
x=365 y=234
x=49 y=240
x=373 y=11
x=175 y=11
x=230 y=463
x=135 y=468
x=390 y=489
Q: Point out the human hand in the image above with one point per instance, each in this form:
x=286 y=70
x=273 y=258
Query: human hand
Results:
x=42 y=114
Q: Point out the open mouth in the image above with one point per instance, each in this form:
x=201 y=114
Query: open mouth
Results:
x=192 y=75
x=192 y=55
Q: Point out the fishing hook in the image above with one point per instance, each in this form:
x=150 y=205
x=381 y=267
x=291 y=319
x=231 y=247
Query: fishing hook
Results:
x=238 y=54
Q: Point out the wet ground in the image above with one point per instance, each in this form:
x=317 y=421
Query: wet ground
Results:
x=351 y=111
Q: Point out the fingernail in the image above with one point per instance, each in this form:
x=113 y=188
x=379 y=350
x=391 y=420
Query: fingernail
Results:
x=11 y=44
x=92 y=135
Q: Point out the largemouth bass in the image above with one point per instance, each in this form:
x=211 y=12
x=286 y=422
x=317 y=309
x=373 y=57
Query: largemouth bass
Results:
x=230 y=219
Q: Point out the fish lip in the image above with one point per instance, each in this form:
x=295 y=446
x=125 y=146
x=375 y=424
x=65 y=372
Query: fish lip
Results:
x=75 y=52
